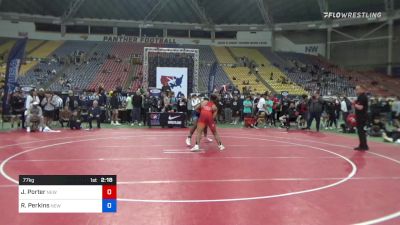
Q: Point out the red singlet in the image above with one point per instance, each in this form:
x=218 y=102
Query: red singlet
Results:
x=206 y=116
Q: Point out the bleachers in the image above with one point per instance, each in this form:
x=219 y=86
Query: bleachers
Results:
x=32 y=44
x=206 y=54
x=36 y=71
x=265 y=68
x=277 y=84
x=250 y=53
x=376 y=83
x=137 y=83
x=240 y=76
x=112 y=73
x=223 y=55
x=46 y=49
x=274 y=58
x=43 y=52
x=4 y=50
x=6 y=47
x=335 y=83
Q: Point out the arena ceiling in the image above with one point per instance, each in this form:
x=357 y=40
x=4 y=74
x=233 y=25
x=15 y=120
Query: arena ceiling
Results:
x=211 y=12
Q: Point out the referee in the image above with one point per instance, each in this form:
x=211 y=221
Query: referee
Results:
x=361 y=108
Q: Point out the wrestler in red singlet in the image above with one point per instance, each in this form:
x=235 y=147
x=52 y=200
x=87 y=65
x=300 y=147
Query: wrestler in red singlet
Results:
x=208 y=112
x=207 y=116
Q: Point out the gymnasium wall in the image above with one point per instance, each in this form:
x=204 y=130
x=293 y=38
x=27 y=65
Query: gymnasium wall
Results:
x=288 y=42
x=360 y=55
x=243 y=38
x=306 y=36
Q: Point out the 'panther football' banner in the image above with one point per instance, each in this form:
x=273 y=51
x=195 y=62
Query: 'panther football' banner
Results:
x=175 y=77
x=13 y=65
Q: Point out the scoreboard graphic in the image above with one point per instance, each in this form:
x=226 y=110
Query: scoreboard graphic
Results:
x=67 y=193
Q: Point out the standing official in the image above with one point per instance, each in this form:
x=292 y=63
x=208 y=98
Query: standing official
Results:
x=361 y=108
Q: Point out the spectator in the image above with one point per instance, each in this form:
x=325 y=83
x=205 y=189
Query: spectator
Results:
x=392 y=137
x=315 y=107
x=146 y=107
x=345 y=108
x=269 y=110
x=35 y=115
x=396 y=111
x=94 y=114
x=261 y=108
x=236 y=106
x=182 y=105
x=64 y=116
x=284 y=112
x=330 y=110
x=173 y=101
x=114 y=104
x=75 y=121
x=30 y=99
x=71 y=101
x=227 y=108
x=386 y=110
x=194 y=102
x=137 y=105
x=247 y=107
x=17 y=108
x=49 y=105
x=129 y=108
x=165 y=88
x=189 y=110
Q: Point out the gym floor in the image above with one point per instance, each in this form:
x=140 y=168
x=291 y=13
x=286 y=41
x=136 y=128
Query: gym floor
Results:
x=265 y=176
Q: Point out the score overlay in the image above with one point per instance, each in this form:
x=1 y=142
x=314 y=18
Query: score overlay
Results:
x=67 y=193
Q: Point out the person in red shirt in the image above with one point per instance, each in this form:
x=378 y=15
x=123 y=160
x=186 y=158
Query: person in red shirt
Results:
x=208 y=113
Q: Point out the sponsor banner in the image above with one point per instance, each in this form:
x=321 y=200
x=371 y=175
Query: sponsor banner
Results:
x=154 y=119
x=135 y=39
x=167 y=119
x=172 y=120
x=175 y=77
x=12 y=71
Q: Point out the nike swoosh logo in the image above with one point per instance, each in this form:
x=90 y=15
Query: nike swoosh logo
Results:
x=172 y=117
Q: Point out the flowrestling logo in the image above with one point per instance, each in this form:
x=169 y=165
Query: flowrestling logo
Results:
x=352 y=15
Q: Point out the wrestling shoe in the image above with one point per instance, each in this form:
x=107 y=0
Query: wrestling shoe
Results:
x=46 y=129
x=188 y=140
x=196 y=148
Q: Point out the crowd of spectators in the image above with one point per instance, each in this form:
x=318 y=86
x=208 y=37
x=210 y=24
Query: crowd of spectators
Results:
x=265 y=109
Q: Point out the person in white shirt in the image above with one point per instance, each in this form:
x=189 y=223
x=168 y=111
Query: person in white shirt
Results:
x=194 y=102
x=129 y=108
x=195 y=117
x=34 y=114
x=31 y=98
x=261 y=107
x=345 y=108
x=261 y=104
